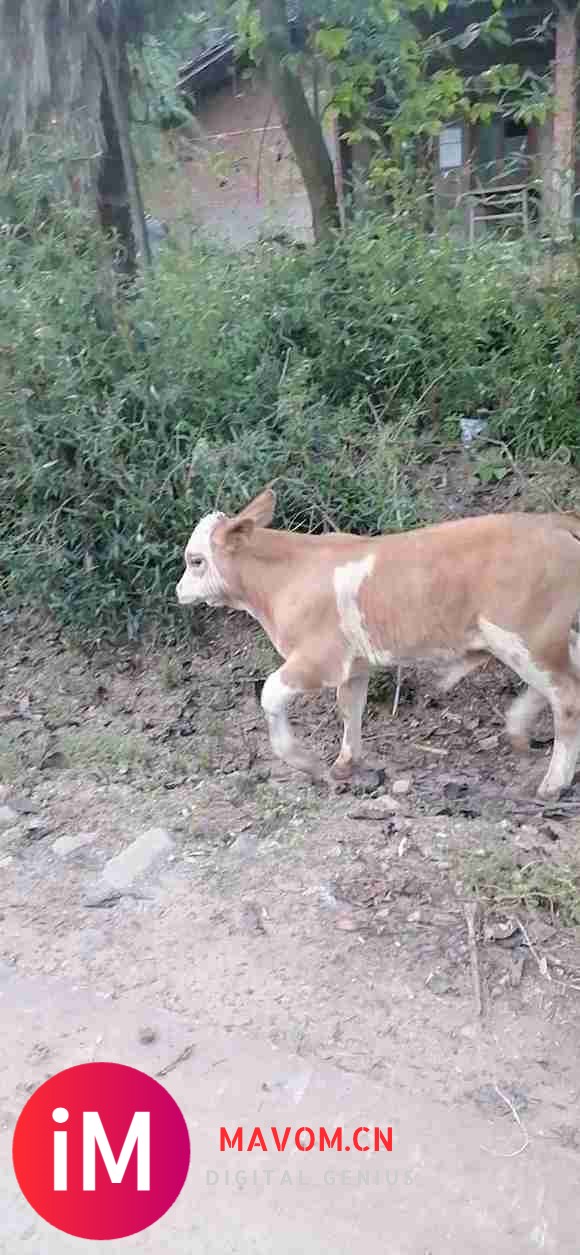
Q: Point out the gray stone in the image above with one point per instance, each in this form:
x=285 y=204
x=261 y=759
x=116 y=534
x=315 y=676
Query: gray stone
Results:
x=136 y=859
x=376 y=808
x=399 y=787
x=8 y=816
x=66 y=845
x=246 y=845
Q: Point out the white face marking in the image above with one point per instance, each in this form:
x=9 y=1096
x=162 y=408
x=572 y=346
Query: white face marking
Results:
x=201 y=580
x=347 y=583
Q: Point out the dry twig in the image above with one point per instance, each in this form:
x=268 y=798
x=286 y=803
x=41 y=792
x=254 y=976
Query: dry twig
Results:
x=472 y=912
x=541 y=960
x=397 y=694
x=510 y=1154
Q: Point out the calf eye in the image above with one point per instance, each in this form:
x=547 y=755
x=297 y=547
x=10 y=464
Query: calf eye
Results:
x=196 y=563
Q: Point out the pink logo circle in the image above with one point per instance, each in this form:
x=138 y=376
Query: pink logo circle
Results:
x=101 y=1151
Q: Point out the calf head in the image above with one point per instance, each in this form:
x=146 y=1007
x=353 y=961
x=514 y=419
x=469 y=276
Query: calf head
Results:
x=215 y=549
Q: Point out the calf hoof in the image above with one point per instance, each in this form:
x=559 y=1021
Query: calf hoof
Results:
x=341 y=771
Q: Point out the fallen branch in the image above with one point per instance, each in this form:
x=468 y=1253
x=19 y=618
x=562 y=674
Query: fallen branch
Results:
x=397 y=694
x=510 y=1154
x=472 y=912
x=541 y=960
x=181 y=1058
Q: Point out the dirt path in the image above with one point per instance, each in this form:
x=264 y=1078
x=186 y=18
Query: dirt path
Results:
x=331 y=929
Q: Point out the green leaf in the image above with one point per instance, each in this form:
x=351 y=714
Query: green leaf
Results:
x=332 y=41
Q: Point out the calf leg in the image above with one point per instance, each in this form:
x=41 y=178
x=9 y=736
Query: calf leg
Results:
x=351 y=697
x=555 y=678
x=565 y=703
x=277 y=693
x=458 y=670
x=521 y=716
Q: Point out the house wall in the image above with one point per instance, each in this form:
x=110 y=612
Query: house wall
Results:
x=451 y=188
x=244 y=178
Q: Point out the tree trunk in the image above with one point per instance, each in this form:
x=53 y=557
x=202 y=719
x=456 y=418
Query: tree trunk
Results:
x=112 y=56
x=113 y=204
x=564 y=146
x=302 y=128
x=346 y=166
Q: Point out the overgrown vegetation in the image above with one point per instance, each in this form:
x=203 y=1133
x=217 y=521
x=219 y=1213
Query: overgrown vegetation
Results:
x=334 y=368
x=505 y=885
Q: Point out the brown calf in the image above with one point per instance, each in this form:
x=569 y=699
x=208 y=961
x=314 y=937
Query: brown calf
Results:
x=337 y=606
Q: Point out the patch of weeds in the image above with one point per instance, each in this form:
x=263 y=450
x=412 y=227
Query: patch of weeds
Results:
x=170 y=673
x=382 y=687
x=491 y=469
x=501 y=883
x=11 y=759
x=262 y=657
x=276 y=812
x=106 y=749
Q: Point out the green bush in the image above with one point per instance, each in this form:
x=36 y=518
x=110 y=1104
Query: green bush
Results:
x=123 y=421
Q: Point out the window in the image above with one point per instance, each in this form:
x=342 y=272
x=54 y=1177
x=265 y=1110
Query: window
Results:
x=515 y=143
x=451 y=148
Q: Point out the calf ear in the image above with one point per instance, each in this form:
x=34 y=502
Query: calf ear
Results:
x=234 y=533
x=261 y=509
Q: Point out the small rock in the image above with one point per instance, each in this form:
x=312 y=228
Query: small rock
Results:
x=53 y=761
x=415 y=917
x=327 y=896
x=102 y=897
x=439 y=985
x=36 y=829
x=120 y=873
x=253 y=917
x=503 y=930
x=66 y=845
x=517 y=971
x=8 y=816
x=489 y=743
x=246 y=845
x=346 y=924
x=376 y=808
x=147 y=1036
x=23 y=805
x=454 y=789
x=400 y=787
x=368 y=780
x=469 y=1031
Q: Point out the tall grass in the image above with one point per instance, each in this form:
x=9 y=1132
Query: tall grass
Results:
x=123 y=421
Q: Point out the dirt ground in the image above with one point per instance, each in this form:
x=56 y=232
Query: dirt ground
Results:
x=334 y=925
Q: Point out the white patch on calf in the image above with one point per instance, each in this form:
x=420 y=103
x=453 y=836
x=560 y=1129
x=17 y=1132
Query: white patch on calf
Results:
x=511 y=649
x=204 y=584
x=275 y=698
x=348 y=580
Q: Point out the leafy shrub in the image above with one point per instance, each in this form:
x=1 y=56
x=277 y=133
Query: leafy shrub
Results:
x=124 y=421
